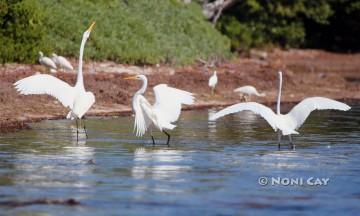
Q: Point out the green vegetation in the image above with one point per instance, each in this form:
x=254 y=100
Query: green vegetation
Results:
x=329 y=24
x=138 y=31
x=169 y=31
x=21 y=32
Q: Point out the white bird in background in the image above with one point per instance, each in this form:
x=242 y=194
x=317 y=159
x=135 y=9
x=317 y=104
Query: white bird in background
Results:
x=249 y=90
x=165 y=111
x=47 y=62
x=76 y=98
x=212 y=82
x=289 y=123
x=62 y=62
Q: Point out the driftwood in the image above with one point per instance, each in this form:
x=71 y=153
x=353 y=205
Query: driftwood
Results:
x=15 y=203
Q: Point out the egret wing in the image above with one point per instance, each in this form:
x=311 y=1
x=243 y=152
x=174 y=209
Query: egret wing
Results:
x=257 y=108
x=169 y=100
x=142 y=109
x=303 y=109
x=46 y=84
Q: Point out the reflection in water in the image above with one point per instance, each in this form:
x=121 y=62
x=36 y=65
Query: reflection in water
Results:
x=158 y=164
x=64 y=167
x=211 y=124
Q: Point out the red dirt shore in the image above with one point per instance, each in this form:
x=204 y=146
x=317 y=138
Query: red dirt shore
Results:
x=306 y=73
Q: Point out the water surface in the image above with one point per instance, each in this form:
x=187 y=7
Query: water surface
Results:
x=209 y=169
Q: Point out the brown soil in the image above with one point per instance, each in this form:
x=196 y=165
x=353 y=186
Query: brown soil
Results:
x=306 y=73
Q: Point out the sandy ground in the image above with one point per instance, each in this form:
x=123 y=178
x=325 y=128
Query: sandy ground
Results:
x=306 y=73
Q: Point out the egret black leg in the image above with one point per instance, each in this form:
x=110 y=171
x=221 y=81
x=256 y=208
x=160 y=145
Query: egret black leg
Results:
x=291 y=143
x=168 y=139
x=77 y=130
x=279 y=139
x=153 y=140
x=85 y=128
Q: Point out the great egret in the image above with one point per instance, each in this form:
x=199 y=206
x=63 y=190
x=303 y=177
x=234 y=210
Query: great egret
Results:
x=212 y=82
x=165 y=111
x=47 y=62
x=249 y=90
x=289 y=123
x=62 y=62
x=76 y=98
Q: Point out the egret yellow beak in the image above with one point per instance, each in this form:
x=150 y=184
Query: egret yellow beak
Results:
x=131 y=77
x=91 y=27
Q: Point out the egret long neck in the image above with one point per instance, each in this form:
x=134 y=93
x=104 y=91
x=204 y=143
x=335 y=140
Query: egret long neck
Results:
x=143 y=87
x=279 y=94
x=80 y=79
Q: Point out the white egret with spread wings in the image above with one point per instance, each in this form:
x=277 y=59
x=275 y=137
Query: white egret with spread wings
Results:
x=163 y=113
x=289 y=123
x=76 y=98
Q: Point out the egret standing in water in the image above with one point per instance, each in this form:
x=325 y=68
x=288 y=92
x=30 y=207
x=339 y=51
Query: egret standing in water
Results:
x=47 y=62
x=249 y=90
x=76 y=98
x=163 y=113
x=289 y=123
x=212 y=82
x=62 y=62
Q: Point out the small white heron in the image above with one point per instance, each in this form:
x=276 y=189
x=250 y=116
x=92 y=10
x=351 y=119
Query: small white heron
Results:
x=212 y=82
x=249 y=90
x=163 y=113
x=76 y=98
x=47 y=62
x=289 y=123
x=62 y=62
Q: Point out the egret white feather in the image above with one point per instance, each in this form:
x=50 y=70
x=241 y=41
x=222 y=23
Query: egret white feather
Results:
x=76 y=98
x=289 y=123
x=165 y=111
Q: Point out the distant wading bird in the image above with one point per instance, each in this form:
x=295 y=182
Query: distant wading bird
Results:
x=249 y=90
x=163 y=113
x=76 y=98
x=47 y=62
x=212 y=82
x=62 y=62
x=289 y=123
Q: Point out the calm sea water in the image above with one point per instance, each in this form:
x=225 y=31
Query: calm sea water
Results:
x=209 y=169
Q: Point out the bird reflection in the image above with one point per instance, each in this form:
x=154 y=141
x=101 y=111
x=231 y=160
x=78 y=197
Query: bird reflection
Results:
x=211 y=124
x=57 y=162
x=158 y=163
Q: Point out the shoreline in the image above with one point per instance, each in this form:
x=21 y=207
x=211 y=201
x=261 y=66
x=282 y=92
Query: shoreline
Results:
x=307 y=73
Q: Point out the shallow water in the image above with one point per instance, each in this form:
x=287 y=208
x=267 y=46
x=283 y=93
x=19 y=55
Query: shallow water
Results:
x=209 y=169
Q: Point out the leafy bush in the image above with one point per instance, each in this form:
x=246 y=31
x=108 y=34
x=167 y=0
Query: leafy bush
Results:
x=21 y=32
x=252 y=23
x=138 y=31
x=341 y=32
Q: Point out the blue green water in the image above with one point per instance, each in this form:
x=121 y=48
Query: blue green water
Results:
x=209 y=169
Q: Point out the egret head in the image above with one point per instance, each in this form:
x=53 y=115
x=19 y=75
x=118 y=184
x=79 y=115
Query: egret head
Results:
x=136 y=77
x=53 y=55
x=88 y=31
x=41 y=54
x=215 y=72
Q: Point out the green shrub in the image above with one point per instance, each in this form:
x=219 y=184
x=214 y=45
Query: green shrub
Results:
x=253 y=23
x=21 y=32
x=138 y=31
